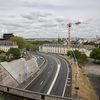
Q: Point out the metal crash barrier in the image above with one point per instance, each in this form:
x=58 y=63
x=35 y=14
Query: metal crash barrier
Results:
x=27 y=95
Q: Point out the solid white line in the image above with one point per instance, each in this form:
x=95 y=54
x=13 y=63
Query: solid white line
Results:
x=66 y=80
x=53 y=82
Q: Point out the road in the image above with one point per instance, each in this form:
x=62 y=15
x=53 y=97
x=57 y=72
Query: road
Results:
x=39 y=58
x=55 y=78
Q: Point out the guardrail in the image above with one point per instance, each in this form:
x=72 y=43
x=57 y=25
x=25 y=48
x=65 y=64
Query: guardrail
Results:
x=29 y=94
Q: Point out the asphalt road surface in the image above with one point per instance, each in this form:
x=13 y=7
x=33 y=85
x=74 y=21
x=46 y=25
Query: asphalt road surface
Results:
x=55 y=78
x=39 y=58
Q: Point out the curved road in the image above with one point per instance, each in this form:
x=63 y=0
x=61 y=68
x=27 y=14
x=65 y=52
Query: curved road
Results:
x=55 y=78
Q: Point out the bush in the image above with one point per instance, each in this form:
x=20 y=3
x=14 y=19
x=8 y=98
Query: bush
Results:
x=2 y=57
x=95 y=54
x=80 y=56
x=14 y=53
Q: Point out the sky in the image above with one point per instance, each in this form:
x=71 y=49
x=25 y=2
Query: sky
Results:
x=49 y=18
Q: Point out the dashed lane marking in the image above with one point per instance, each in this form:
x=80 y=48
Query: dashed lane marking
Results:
x=41 y=83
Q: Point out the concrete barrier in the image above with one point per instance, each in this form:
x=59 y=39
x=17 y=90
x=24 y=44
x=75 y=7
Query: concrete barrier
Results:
x=29 y=94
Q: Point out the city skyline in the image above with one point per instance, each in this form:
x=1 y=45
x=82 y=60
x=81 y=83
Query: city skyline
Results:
x=44 y=18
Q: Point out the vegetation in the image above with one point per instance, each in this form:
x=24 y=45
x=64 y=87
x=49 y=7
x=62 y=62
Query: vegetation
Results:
x=14 y=53
x=95 y=54
x=19 y=40
x=36 y=44
x=80 y=56
x=29 y=45
x=89 y=43
x=94 y=44
x=1 y=51
x=60 y=41
x=2 y=57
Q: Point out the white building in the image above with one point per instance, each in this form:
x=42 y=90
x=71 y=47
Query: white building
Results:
x=6 y=48
x=5 y=45
x=53 y=48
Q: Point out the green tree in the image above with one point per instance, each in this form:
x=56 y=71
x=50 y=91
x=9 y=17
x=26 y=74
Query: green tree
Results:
x=80 y=56
x=2 y=57
x=70 y=53
x=19 y=40
x=95 y=54
x=28 y=45
x=1 y=51
x=14 y=53
x=83 y=58
x=77 y=54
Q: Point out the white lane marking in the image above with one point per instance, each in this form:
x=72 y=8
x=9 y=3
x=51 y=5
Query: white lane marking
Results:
x=66 y=79
x=48 y=72
x=53 y=82
x=41 y=83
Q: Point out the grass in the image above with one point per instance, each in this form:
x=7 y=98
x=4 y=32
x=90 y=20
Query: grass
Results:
x=86 y=91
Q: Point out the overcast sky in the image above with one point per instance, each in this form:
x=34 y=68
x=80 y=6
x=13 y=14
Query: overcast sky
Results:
x=49 y=18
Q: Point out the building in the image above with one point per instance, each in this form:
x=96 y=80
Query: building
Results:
x=53 y=48
x=7 y=36
x=6 y=44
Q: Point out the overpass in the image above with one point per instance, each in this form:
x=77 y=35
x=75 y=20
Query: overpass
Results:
x=10 y=93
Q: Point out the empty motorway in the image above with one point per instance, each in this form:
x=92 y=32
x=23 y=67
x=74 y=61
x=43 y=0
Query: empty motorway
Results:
x=55 y=78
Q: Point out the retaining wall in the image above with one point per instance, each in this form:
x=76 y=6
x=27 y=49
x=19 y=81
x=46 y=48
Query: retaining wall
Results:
x=18 y=70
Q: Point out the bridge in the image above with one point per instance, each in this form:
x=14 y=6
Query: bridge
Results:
x=10 y=93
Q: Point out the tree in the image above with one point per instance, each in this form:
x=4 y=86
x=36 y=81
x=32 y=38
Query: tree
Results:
x=2 y=57
x=80 y=56
x=83 y=58
x=14 y=53
x=28 y=45
x=1 y=51
x=19 y=40
x=95 y=54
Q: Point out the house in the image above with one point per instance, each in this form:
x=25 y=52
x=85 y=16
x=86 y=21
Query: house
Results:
x=6 y=43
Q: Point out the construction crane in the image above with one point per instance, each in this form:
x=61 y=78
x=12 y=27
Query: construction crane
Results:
x=69 y=25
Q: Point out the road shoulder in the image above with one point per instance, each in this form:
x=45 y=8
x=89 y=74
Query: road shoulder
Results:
x=83 y=89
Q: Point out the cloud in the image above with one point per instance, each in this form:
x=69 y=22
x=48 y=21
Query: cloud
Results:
x=48 y=18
